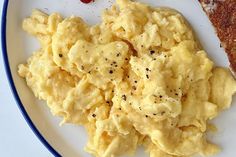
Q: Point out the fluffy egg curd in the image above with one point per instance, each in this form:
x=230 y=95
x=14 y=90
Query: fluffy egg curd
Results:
x=140 y=77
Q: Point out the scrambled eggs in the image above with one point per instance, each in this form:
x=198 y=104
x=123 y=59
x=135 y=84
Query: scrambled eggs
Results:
x=140 y=77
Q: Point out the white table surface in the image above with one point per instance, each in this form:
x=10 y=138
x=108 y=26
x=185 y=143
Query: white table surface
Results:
x=16 y=137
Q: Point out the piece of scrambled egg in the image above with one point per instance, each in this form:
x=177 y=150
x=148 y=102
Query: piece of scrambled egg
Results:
x=140 y=77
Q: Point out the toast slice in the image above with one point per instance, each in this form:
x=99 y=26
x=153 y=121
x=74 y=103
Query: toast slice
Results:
x=222 y=14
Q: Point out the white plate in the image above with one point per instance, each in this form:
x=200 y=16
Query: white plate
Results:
x=69 y=140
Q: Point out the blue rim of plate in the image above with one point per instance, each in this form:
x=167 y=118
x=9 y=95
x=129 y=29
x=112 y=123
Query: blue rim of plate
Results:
x=11 y=82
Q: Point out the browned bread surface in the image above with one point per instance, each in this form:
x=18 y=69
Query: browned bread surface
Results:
x=222 y=14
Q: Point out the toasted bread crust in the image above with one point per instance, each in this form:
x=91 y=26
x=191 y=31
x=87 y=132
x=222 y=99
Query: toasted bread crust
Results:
x=222 y=14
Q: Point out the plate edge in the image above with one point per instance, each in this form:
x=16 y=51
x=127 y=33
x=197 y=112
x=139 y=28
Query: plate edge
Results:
x=12 y=85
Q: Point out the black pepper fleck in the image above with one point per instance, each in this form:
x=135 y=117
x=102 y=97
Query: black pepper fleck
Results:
x=140 y=108
x=134 y=88
x=118 y=54
x=160 y=96
x=154 y=114
x=146 y=116
x=124 y=97
x=110 y=71
x=94 y=115
x=60 y=55
x=147 y=76
x=82 y=67
x=152 y=52
x=135 y=81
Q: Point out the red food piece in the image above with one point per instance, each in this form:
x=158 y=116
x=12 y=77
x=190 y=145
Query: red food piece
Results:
x=86 y=1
